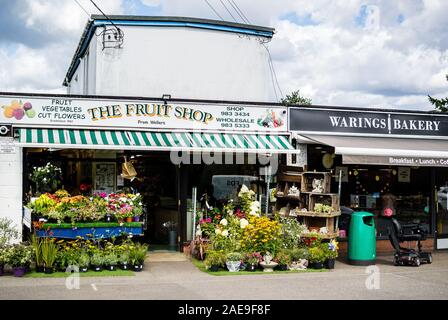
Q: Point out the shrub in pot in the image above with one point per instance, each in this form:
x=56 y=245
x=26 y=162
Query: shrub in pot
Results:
x=316 y=257
x=137 y=255
x=4 y=258
x=110 y=261
x=97 y=261
x=331 y=253
x=123 y=259
x=20 y=257
x=36 y=243
x=233 y=261
x=283 y=258
x=84 y=261
x=49 y=252
x=252 y=260
x=214 y=260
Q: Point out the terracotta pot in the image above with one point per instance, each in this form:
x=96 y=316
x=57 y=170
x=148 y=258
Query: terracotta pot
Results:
x=128 y=219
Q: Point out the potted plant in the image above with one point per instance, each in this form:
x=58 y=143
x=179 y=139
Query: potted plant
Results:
x=123 y=259
x=20 y=256
x=137 y=256
x=283 y=258
x=316 y=257
x=36 y=243
x=251 y=260
x=97 y=261
x=84 y=260
x=110 y=261
x=4 y=258
x=331 y=252
x=233 y=261
x=214 y=260
x=49 y=251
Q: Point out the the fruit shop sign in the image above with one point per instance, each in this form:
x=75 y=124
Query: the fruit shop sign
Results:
x=65 y=112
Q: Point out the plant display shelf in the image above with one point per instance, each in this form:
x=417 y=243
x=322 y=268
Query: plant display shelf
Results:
x=330 y=235
x=288 y=197
x=93 y=230
x=309 y=176
x=331 y=199
x=317 y=214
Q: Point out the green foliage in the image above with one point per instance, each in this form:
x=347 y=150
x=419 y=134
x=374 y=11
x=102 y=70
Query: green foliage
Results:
x=84 y=259
x=214 y=258
x=316 y=254
x=295 y=99
x=234 y=256
x=440 y=104
x=7 y=231
x=319 y=207
x=36 y=243
x=49 y=251
x=4 y=255
x=20 y=255
x=97 y=259
x=299 y=253
x=283 y=257
x=330 y=251
x=137 y=253
x=110 y=259
x=46 y=178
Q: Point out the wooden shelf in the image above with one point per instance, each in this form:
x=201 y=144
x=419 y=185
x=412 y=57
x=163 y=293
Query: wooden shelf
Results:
x=319 y=193
x=289 y=197
x=317 y=214
x=330 y=235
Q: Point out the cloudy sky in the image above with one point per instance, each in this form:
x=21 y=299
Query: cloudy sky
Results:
x=338 y=52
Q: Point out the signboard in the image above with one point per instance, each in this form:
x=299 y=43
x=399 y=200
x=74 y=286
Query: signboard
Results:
x=331 y=121
x=404 y=174
x=396 y=161
x=343 y=173
x=7 y=145
x=139 y=114
x=104 y=177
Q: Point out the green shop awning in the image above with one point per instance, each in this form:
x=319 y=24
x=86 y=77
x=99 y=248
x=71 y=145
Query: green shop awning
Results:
x=144 y=140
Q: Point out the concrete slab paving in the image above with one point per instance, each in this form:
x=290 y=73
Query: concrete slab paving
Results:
x=172 y=276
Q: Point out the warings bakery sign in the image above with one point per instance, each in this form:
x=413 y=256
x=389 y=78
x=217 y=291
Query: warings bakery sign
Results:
x=330 y=121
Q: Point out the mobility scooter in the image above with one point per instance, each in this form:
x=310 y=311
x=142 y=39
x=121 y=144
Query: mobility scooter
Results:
x=408 y=232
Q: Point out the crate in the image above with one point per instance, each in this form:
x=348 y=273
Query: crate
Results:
x=308 y=177
x=330 y=199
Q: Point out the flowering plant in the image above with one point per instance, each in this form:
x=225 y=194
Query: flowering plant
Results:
x=253 y=258
x=46 y=178
x=261 y=235
x=332 y=249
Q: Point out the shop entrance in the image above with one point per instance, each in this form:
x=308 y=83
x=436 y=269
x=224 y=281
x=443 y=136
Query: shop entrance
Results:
x=441 y=194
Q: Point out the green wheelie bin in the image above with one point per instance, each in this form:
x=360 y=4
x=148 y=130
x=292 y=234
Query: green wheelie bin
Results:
x=362 y=239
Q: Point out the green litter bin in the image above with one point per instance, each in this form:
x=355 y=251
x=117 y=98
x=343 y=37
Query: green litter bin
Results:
x=362 y=239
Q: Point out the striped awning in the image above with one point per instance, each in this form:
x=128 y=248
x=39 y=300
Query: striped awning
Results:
x=144 y=140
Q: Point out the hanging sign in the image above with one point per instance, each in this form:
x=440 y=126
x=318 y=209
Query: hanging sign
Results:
x=139 y=114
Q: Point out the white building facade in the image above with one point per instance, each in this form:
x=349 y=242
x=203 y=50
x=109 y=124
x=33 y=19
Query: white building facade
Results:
x=183 y=57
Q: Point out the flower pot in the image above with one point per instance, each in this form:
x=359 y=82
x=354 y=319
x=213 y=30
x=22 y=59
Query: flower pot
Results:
x=19 y=271
x=120 y=220
x=233 y=266
x=1 y=269
x=316 y=265
x=111 y=268
x=83 y=269
x=282 y=267
x=214 y=268
x=128 y=219
x=251 y=267
x=48 y=270
x=40 y=269
x=97 y=268
x=108 y=218
x=329 y=264
x=124 y=266
x=137 y=218
x=138 y=267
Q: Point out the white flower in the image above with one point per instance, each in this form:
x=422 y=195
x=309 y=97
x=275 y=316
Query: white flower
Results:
x=199 y=231
x=223 y=222
x=217 y=231
x=230 y=212
x=225 y=233
x=243 y=223
x=243 y=190
x=123 y=199
x=254 y=213
x=139 y=203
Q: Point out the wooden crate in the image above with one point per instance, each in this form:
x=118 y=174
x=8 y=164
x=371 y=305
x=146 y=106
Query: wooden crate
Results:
x=331 y=199
x=308 y=177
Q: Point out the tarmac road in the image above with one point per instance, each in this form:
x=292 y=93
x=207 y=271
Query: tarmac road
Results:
x=171 y=276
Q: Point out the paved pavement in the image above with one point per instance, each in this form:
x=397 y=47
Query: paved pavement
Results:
x=172 y=276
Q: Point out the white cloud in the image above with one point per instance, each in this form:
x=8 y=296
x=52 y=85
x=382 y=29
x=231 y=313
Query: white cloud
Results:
x=151 y=3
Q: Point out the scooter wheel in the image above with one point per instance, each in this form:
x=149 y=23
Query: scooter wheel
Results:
x=417 y=262
x=396 y=262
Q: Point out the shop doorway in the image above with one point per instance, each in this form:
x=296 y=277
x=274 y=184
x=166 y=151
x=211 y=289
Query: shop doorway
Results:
x=442 y=209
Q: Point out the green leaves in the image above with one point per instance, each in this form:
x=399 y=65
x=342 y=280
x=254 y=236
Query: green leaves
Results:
x=440 y=104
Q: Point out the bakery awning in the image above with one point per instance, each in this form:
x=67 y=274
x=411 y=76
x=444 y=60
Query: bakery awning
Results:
x=163 y=141
x=397 y=151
